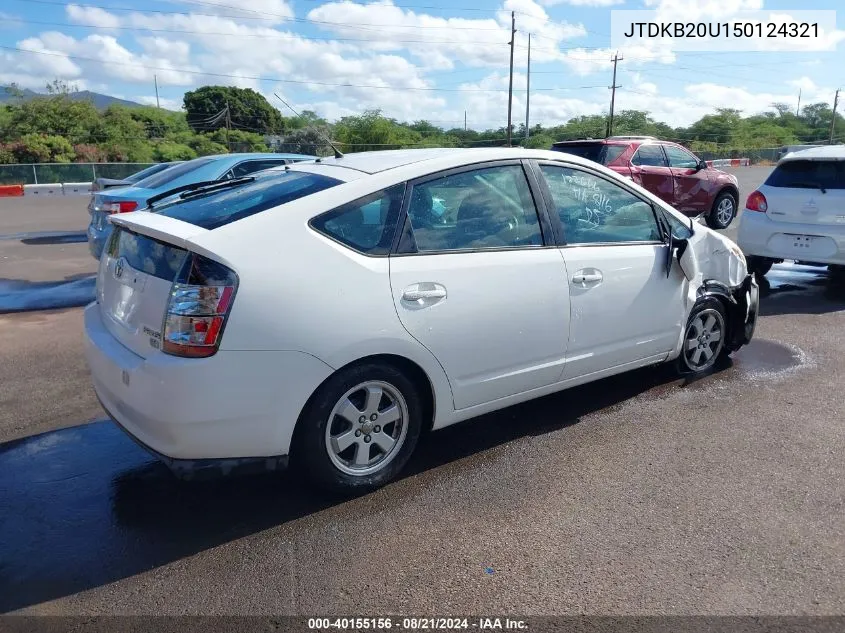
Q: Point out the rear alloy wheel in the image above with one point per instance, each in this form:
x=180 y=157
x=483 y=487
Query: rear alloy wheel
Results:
x=723 y=212
x=758 y=266
x=359 y=429
x=704 y=338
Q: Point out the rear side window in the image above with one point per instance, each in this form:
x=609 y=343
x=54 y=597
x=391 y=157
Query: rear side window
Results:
x=367 y=225
x=596 y=152
x=169 y=175
x=230 y=205
x=809 y=174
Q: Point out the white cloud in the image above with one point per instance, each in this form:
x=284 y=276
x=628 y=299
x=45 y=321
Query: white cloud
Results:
x=167 y=104
x=92 y=15
x=582 y=3
x=693 y=10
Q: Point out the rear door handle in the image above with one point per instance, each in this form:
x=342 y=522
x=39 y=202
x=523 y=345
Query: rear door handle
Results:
x=424 y=292
x=586 y=278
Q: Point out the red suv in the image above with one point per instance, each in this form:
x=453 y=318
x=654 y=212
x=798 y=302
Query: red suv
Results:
x=667 y=170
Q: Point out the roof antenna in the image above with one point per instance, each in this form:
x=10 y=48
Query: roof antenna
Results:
x=337 y=152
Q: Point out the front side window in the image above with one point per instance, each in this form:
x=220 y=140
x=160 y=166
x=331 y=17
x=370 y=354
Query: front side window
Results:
x=366 y=225
x=680 y=159
x=649 y=156
x=484 y=208
x=594 y=210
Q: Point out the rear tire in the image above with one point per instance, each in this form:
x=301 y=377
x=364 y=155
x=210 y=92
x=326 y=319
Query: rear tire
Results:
x=358 y=430
x=759 y=266
x=705 y=336
x=723 y=211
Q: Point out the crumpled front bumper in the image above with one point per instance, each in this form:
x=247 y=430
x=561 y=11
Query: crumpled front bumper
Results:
x=743 y=318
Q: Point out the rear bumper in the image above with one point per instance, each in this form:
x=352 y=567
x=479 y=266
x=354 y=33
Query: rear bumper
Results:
x=231 y=406
x=761 y=236
x=97 y=238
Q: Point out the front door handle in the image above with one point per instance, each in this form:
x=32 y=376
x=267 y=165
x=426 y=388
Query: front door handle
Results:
x=424 y=292
x=583 y=278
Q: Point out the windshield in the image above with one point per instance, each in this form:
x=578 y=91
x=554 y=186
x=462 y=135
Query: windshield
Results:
x=596 y=152
x=169 y=175
x=266 y=191
x=809 y=174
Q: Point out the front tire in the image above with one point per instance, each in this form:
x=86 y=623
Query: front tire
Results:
x=704 y=338
x=723 y=211
x=359 y=429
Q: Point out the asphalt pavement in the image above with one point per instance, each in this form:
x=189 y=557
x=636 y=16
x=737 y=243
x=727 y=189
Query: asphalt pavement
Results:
x=639 y=494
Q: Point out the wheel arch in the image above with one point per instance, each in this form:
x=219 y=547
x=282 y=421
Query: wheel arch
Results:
x=415 y=372
x=728 y=188
x=734 y=312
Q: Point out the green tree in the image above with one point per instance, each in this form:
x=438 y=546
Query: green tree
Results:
x=248 y=110
x=58 y=115
x=43 y=148
x=167 y=151
x=240 y=141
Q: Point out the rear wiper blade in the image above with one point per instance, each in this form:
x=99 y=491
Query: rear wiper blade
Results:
x=198 y=188
x=808 y=183
x=217 y=186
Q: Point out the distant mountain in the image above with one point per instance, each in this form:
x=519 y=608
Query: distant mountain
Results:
x=100 y=101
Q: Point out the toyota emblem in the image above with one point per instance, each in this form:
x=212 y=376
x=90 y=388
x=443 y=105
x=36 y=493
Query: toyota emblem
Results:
x=118 y=267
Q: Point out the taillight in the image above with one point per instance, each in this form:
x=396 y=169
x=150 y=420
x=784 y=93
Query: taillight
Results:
x=120 y=206
x=757 y=202
x=199 y=303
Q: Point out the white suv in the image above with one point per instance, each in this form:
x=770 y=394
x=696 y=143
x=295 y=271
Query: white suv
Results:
x=798 y=213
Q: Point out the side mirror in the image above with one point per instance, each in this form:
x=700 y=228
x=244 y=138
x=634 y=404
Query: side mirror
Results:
x=701 y=165
x=677 y=247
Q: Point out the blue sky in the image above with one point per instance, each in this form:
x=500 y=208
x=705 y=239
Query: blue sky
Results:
x=413 y=59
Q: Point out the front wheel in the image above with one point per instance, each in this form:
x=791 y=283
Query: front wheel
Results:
x=704 y=338
x=359 y=429
x=723 y=211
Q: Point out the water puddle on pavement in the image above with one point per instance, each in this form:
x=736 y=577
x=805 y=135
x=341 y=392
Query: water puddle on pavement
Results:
x=34 y=238
x=18 y=295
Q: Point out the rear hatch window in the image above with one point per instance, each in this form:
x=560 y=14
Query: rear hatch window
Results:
x=809 y=174
x=218 y=208
x=597 y=152
x=170 y=174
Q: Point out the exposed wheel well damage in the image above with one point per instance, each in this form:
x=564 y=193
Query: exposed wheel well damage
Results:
x=736 y=304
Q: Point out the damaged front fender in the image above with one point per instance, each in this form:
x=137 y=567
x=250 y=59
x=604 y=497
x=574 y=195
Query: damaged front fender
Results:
x=742 y=303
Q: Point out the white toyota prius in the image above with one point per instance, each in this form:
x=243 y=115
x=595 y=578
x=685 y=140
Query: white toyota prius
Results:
x=330 y=312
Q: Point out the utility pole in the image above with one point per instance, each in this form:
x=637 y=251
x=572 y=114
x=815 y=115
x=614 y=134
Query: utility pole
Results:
x=510 y=82
x=833 y=117
x=228 y=125
x=615 y=59
x=465 y=120
x=798 y=109
x=155 y=79
x=528 y=88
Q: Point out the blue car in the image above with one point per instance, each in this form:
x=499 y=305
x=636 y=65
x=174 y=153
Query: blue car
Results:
x=205 y=169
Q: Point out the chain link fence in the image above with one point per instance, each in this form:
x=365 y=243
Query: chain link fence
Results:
x=44 y=173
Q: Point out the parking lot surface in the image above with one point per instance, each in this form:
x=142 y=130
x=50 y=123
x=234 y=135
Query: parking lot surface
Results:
x=639 y=494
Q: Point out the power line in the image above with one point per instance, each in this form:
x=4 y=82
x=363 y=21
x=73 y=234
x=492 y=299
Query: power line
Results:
x=273 y=79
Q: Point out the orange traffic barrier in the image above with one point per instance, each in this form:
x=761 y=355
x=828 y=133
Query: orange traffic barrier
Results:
x=11 y=190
